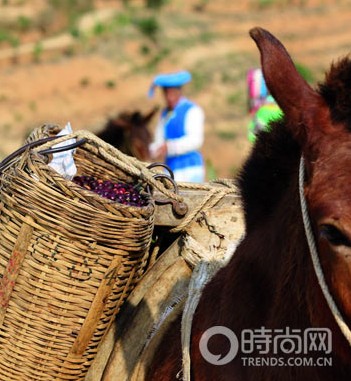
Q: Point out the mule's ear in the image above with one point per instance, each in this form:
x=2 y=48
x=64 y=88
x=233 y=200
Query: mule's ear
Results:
x=150 y=114
x=284 y=82
x=121 y=122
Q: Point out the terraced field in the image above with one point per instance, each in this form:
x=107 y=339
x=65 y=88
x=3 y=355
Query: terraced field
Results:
x=106 y=63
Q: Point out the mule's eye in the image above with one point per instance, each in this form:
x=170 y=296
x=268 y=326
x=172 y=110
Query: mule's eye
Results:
x=334 y=235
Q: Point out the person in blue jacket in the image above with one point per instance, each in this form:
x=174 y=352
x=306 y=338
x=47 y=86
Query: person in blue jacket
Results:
x=179 y=134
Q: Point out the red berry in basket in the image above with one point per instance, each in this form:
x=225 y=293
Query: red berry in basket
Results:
x=126 y=194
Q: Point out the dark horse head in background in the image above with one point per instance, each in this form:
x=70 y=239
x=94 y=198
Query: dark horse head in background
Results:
x=129 y=132
x=270 y=286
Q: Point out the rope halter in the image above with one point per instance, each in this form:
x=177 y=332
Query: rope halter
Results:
x=315 y=258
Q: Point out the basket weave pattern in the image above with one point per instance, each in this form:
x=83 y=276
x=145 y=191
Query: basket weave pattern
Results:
x=68 y=259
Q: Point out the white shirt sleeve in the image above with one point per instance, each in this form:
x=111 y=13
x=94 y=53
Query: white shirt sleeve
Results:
x=158 y=138
x=194 y=133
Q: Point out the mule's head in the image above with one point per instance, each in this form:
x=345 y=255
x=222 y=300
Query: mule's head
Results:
x=320 y=122
x=134 y=127
x=141 y=136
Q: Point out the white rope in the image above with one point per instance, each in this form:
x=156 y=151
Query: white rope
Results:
x=315 y=259
x=208 y=263
x=201 y=275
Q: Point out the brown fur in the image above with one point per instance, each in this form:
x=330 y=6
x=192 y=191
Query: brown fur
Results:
x=270 y=281
x=129 y=132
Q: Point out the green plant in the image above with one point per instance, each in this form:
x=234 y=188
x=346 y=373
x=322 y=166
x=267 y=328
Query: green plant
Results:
x=157 y=58
x=99 y=29
x=265 y=3
x=226 y=135
x=227 y=77
x=84 y=82
x=24 y=23
x=144 y=50
x=110 y=84
x=206 y=37
x=233 y=98
x=148 y=26
x=122 y=19
x=74 y=31
x=9 y=38
x=72 y=6
x=211 y=172
x=155 y=4
x=38 y=51
x=199 y=81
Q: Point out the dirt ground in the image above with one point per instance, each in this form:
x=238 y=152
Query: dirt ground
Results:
x=88 y=86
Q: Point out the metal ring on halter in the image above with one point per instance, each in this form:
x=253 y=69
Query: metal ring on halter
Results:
x=154 y=165
x=179 y=208
x=25 y=147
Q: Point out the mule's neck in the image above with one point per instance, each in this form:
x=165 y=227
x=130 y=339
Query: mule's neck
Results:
x=275 y=249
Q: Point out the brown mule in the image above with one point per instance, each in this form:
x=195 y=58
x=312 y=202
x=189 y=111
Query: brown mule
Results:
x=129 y=132
x=270 y=286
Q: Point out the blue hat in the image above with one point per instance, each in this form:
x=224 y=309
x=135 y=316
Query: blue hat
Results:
x=177 y=79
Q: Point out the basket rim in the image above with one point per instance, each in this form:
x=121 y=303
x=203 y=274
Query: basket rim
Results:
x=150 y=202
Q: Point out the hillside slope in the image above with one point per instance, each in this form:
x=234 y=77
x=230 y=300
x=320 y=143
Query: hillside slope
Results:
x=85 y=82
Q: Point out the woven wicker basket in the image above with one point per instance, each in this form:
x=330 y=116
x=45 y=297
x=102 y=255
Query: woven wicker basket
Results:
x=68 y=260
